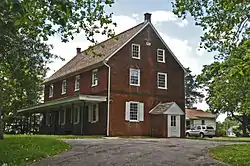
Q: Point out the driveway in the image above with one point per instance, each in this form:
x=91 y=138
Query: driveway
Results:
x=135 y=152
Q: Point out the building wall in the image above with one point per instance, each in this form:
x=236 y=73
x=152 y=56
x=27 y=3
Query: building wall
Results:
x=85 y=85
x=158 y=126
x=147 y=92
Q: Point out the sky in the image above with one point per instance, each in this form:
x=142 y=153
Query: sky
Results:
x=182 y=36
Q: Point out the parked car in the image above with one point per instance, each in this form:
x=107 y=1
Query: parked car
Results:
x=201 y=131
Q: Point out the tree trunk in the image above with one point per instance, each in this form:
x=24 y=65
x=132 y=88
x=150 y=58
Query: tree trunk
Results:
x=244 y=125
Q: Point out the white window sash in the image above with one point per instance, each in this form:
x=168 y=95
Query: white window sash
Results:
x=94 y=77
x=140 y=111
x=51 y=89
x=64 y=87
x=76 y=113
x=90 y=113
x=138 y=76
x=77 y=83
x=158 y=80
x=161 y=56
x=139 y=51
x=64 y=117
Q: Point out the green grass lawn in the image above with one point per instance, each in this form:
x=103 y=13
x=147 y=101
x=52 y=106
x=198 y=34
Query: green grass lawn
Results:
x=236 y=155
x=22 y=149
x=230 y=139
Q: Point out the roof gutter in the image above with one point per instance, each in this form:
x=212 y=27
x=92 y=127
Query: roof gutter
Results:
x=108 y=97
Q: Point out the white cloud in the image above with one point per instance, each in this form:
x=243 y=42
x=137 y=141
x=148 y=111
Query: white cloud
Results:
x=167 y=16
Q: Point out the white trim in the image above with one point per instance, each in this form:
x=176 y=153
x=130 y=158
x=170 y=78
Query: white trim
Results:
x=139 y=77
x=166 y=80
x=165 y=44
x=91 y=113
x=47 y=119
x=138 y=111
x=77 y=78
x=64 y=117
x=51 y=93
x=94 y=81
x=163 y=55
x=139 y=51
x=64 y=90
x=126 y=42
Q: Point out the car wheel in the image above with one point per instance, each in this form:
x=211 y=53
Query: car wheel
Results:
x=187 y=135
x=210 y=136
x=201 y=135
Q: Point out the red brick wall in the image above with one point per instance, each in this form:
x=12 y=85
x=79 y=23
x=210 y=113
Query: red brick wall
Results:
x=147 y=92
x=85 y=85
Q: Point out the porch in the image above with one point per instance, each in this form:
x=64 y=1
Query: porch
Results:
x=81 y=115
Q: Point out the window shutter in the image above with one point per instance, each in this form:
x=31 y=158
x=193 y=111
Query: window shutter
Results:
x=139 y=76
x=127 y=111
x=166 y=79
x=141 y=112
x=89 y=113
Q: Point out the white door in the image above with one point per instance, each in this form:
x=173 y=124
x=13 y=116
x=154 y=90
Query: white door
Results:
x=174 y=126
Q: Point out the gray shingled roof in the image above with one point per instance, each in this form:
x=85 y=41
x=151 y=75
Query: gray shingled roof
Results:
x=161 y=108
x=106 y=48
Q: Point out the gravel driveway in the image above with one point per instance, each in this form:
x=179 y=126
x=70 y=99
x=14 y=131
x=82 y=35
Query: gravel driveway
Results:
x=135 y=152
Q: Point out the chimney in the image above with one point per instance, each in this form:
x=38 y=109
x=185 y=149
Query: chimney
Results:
x=147 y=17
x=78 y=50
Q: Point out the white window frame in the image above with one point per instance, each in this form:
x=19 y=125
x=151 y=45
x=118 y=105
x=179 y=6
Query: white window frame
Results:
x=64 y=87
x=90 y=113
x=130 y=76
x=64 y=117
x=47 y=118
x=173 y=120
x=51 y=90
x=140 y=111
x=166 y=80
x=94 y=80
x=76 y=112
x=161 y=56
x=77 y=83
x=139 y=51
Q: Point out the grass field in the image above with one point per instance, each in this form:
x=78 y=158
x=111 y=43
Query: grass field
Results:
x=236 y=155
x=24 y=149
x=230 y=139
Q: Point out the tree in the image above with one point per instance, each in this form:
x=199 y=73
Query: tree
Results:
x=192 y=95
x=229 y=90
x=25 y=26
x=225 y=24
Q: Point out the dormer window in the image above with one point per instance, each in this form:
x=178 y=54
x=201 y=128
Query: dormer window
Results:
x=64 y=87
x=161 y=55
x=51 y=87
x=135 y=51
x=77 y=83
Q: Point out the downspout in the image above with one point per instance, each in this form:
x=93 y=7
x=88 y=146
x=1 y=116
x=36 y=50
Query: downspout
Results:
x=108 y=99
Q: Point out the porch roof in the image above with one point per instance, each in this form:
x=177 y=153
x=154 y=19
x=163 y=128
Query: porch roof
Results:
x=170 y=108
x=63 y=101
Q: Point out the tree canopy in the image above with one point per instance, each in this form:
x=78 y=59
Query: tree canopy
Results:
x=24 y=55
x=192 y=93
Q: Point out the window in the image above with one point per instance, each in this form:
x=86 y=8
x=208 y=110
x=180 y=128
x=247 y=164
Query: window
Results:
x=64 y=87
x=161 y=55
x=198 y=127
x=62 y=117
x=94 y=77
x=51 y=89
x=162 y=80
x=48 y=118
x=134 y=78
x=210 y=127
x=77 y=83
x=136 y=51
x=93 y=113
x=76 y=114
x=173 y=120
x=134 y=111
x=203 y=122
